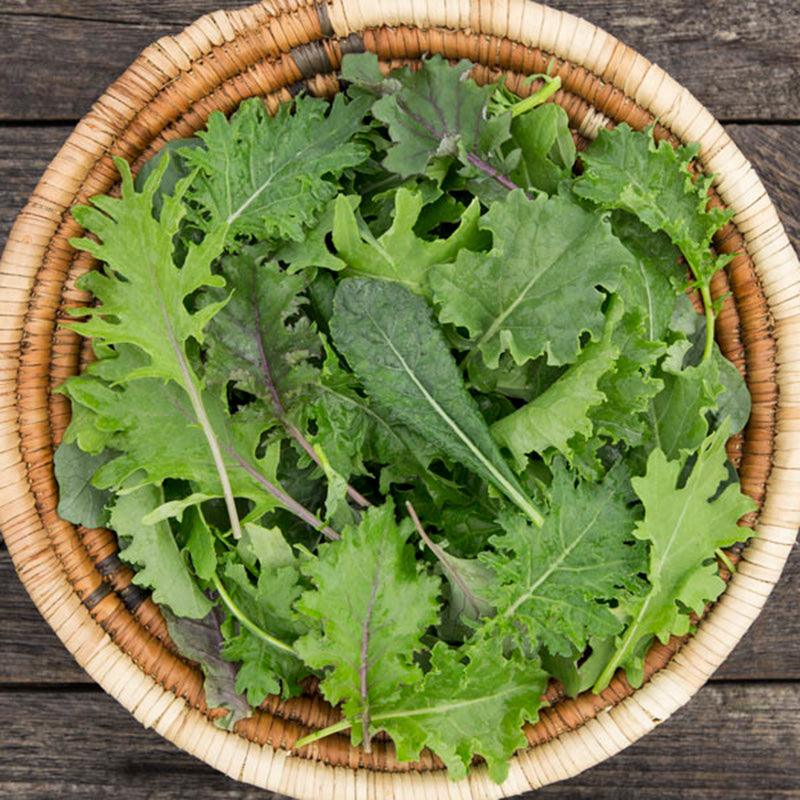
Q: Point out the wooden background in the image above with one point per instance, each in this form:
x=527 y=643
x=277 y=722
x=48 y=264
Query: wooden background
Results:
x=62 y=737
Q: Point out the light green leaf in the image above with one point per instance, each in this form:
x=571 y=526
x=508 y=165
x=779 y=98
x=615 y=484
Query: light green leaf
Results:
x=552 y=583
x=399 y=254
x=200 y=544
x=266 y=546
x=153 y=549
x=268 y=177
x=269 y=603
x=370 y=606
x=626 y=169
x=175 y=508
x=685 y=523
x=473 y=701
x=134 y=417
x=141 y=298
x=547 y=150
x=549 y=421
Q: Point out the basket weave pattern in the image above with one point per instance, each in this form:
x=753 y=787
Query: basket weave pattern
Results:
x=275 y=49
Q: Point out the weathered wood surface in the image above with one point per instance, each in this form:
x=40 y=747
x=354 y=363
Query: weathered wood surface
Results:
x=730 y=739
x=741 y=58
x=60 y=736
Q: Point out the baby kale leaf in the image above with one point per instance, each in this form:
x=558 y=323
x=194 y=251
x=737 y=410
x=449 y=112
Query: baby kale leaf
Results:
x=370 y=605
x=269 y=177
x=552 y=255
x=685 y=522
x=391 y=341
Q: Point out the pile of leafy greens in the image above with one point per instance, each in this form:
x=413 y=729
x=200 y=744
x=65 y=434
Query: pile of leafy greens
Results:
x=397 y=392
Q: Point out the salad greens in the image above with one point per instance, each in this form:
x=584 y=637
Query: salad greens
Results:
x=401 y=392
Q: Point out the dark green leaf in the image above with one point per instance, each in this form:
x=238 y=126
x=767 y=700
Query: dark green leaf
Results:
x=391 y=341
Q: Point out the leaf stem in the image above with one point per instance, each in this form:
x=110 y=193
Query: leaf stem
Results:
x=337 y=727
x=551 y=86
x=493 y=173
x=280 y=410
x=344 y=724
x=288 y=502
x=725 y=559
x=447 y=565
x=708 y=305
x=246 y=621
x=190 y=385
x=363 y=667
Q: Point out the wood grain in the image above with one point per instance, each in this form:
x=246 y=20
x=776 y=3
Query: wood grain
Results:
x=30 y=653
x=741 y=58
x=691 y=757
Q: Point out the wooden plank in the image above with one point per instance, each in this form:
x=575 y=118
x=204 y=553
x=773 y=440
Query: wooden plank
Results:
x=742 y=60
x=692 y=755
x=24 y=154
x=30 y=653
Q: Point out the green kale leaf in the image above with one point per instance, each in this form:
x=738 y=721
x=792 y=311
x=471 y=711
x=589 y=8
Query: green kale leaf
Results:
x=549 y=421
x=472 y=701
x=391 y=341
x=370 y=605
x=269 y=177
x=555 y=584
x=399 y=254
x=685 y=522
x=153 y=549
x=552 y=255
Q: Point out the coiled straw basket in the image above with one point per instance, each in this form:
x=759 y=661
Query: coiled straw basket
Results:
x=275 y=49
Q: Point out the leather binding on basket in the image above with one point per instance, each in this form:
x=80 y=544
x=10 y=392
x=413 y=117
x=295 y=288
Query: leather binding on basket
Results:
x=275 y=49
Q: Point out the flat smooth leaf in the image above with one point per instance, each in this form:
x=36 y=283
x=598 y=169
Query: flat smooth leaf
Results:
x=201 y=640
x=78 y=500
x=547 y=150
x=391 y=341
x=154 y=551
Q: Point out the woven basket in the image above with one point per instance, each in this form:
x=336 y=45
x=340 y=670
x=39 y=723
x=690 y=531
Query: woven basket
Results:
x=275 y=49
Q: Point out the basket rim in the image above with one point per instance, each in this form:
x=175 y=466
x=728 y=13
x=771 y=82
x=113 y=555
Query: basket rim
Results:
x=582 y=43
